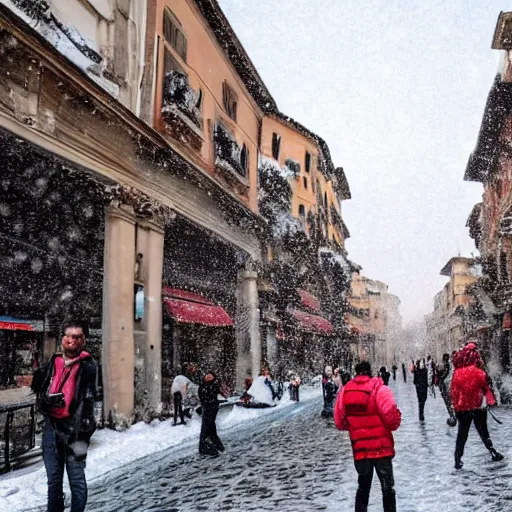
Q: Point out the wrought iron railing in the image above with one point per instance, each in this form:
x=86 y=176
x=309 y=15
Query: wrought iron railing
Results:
x=17 y=433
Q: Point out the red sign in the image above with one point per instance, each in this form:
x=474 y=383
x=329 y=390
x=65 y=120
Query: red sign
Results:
x=15 y=326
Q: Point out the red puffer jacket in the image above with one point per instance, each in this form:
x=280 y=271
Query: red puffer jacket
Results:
x=367 y=409
x=468 y=388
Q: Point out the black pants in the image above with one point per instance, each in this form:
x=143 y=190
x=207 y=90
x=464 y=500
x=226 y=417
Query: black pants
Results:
x=178 y=407
x=479 y=416
x=384 y=469
x=447 y=401
x=209 y=442
x=422 y=398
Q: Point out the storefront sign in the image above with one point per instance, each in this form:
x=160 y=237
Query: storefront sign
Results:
x=15 y=326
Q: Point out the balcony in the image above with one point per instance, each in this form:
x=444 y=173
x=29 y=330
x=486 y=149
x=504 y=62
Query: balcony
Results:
x=231 y=160
x=180 y=112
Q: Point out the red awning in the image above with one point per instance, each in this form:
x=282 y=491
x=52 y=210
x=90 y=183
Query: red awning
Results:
x=191 y=308
x=312 y=323
x=308 y=300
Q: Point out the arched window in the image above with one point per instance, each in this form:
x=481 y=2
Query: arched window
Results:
x=305 y=182
x=302 y=211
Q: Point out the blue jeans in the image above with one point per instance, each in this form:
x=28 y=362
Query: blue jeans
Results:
x=56 y=455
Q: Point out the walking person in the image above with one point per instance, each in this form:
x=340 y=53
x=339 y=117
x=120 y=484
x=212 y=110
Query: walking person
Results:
x=420 y=380
x=445 y=373
x=66 y=389
x=329 y=390
x=209 y=390
x=367 y=409
x=470 y=392
x=384 y=375
x=394 y=368
x=404 y=371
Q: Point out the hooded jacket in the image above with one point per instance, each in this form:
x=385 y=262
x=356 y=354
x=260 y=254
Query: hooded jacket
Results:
x=367 y=409
x=470 y=383
x=80 y=424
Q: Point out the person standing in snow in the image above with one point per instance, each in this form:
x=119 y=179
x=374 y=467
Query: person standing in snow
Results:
x=329 y=390
x=420 y=380
x=470 y=389
x=66 y=389
x=404 y=372
x=209 y=390
x=394 y=368
x=367 y=409
x=180 y=389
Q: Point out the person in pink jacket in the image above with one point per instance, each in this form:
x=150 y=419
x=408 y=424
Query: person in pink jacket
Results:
x=367 y=409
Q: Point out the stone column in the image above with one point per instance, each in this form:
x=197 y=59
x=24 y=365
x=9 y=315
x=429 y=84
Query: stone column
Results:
x=247 y=323
x=118 y=316
x=154 y=259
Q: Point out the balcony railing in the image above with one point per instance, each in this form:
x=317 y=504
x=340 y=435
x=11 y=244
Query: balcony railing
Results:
x=180 y=109
x=227 y=152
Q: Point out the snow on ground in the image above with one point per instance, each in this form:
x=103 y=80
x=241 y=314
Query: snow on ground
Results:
x=111 y=450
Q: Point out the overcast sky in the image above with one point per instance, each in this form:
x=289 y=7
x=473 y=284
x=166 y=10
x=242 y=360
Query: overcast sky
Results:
x=397 y=89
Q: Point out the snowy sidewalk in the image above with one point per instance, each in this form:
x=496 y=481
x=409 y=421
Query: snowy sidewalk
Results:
x=111 y=450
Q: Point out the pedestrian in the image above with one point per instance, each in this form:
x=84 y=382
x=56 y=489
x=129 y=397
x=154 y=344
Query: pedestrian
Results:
x=329 y=390
x=337 y=378
x=470 y=393
x=445 y=374
x=66 y=389
x=209 y=390
x=384 y=375
x=404 y=372
x=420 y=380
x=367 y=409
x=431 y=368
x=180 y=389
x=394 y=368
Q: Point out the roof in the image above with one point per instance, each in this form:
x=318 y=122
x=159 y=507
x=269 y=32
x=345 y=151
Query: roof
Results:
x=484 y=157
x=342 y=188
x=502 y=38
x=325 y=154
x=236 y=53
x=474 y=216
x=447 y=269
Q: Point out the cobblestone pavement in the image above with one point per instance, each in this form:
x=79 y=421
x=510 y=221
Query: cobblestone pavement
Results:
x=295 y=460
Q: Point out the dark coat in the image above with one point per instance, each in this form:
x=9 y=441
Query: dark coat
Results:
x=421 y=382
x=208 y=393
x=81 y=424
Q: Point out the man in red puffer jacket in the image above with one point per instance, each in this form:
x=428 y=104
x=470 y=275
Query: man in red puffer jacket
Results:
x=367 y=409
x=470 y=385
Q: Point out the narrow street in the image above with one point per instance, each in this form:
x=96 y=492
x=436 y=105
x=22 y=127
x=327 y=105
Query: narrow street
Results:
x=295 y=460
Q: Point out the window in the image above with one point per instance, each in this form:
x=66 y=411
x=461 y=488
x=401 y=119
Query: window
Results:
x=230 y=99
x=276 y=145
x=325 y=199
x=305 y=182
x=174 y=35
x=199 y=101
x=308 y=161
x=244 y=159
x=302 y=211
x=171 y=63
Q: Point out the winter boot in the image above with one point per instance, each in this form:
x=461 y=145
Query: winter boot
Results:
x=458 y=462
x=496 y=456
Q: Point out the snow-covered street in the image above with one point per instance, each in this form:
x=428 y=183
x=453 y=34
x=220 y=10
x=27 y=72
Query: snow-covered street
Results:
x=292 y=459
